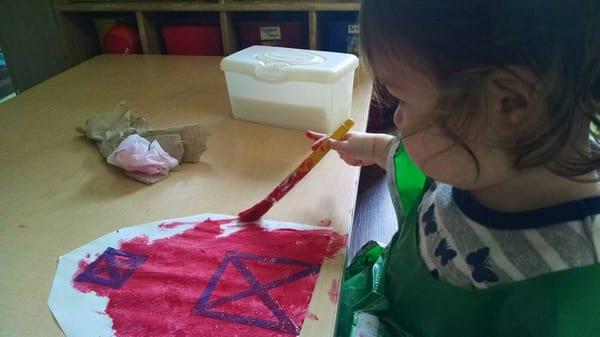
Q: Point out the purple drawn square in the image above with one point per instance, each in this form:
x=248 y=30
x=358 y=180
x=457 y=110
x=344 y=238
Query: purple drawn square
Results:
x=111 y=269
x=283 y=322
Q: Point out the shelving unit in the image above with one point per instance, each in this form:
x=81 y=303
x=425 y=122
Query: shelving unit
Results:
x=75 y=19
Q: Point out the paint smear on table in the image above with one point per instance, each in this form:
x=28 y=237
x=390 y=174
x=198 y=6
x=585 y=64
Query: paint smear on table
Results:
x=325 y=223
x=252 y=282
x=334 y=291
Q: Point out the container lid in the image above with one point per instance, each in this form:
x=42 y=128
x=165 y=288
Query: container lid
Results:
x=277 y=64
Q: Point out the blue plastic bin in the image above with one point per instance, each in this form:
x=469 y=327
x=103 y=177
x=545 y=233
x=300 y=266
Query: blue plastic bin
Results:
x=340 y=36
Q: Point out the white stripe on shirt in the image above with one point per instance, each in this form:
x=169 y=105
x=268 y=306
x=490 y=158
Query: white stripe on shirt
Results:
x=576 y=226
x=594 y=229
x=552 y=258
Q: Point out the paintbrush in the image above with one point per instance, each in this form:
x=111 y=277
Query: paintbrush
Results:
x=257 y=211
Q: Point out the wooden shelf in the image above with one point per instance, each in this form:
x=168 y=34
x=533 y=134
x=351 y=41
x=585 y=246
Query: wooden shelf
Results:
x=80 y=40
x=149 y=35
x=186 y=6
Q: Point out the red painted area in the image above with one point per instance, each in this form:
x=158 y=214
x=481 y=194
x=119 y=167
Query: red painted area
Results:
x=80 y=268
x=159 y=298
x=338 y=242
x=170 y=225
x=334 y=291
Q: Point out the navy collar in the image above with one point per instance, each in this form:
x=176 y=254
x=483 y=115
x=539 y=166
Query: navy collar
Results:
x=542 y=217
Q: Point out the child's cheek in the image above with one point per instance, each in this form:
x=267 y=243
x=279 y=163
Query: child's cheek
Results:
x=441 y=159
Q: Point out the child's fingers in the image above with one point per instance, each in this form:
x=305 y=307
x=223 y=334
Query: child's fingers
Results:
x=356 y=163
x=314 y=135
x=319 y=138
x=352 y=161
x=339 y=145
x=317 y=135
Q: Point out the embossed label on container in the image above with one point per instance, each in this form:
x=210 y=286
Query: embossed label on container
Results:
x=353 y=29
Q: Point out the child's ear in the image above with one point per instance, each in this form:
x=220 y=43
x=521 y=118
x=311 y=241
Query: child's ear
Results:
x=512 y=99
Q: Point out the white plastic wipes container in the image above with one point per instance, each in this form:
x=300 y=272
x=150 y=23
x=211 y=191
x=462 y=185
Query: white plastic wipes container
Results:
x=291 y=88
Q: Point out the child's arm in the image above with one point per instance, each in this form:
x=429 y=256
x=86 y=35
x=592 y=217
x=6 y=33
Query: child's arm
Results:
x=358 y=148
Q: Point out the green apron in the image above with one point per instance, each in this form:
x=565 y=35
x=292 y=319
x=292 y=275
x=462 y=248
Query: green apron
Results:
x=394 y=285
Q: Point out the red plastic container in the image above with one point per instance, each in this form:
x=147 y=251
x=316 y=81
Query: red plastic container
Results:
x=122 y=39
x=194 y=39
x=280 y=34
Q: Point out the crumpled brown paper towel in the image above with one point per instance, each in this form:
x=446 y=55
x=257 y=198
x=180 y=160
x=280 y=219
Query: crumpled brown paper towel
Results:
x=185 y=143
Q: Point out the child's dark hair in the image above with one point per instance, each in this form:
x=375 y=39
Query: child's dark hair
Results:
x=461 y=42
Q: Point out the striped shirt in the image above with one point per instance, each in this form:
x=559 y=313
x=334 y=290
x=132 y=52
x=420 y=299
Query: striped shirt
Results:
x=468 y=245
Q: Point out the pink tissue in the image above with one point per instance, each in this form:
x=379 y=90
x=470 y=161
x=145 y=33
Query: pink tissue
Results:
x=139 y=155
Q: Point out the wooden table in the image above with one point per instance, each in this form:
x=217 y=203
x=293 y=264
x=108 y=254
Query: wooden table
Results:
x=57 y=193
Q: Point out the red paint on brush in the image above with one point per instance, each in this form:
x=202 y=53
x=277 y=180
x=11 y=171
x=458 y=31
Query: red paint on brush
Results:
x=334 y=291
x=257 y=211
x=160 y=296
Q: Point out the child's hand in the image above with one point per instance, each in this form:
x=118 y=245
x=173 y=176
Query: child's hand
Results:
x=357 y=148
